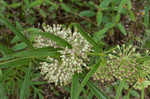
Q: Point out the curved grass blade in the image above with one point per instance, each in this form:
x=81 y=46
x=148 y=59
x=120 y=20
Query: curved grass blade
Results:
x=58 y=40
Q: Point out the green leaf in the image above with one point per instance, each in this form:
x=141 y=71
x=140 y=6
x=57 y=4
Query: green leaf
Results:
x=104 y=4
x=33 y=30
x=15 y=30
x=142 y=91
x=15 y=5
x=58 y=40
x=36 y=3
x=98 y=93
x=119 y=89
x=15 y=40
x=75 y=86
x=38 y=52
x=122 y=29
x=99 y=17
x=87 y=13
x=19 y=46
x=25 y=88
x=87 y=77
x=14 y=62
x=17 y=58
x=65 y=7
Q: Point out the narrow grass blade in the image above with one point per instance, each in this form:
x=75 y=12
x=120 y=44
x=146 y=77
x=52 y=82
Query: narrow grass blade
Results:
x=58 y=40
x=25 y=88
x=119 y=89
x=14 y=62
x=142 y=91
x=33 y=53
x=15 y=30
x=75 y=86
x=87 y=77
x=18 y=58
x=98 y=93
x=39 y=52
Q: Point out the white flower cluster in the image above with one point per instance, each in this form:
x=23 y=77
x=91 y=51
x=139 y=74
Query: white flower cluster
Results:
x=61 y=71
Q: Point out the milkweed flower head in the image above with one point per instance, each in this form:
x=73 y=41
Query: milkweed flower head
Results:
x=123 y=63
x=71 y=60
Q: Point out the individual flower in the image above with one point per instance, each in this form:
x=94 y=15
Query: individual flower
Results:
x=60 y=71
